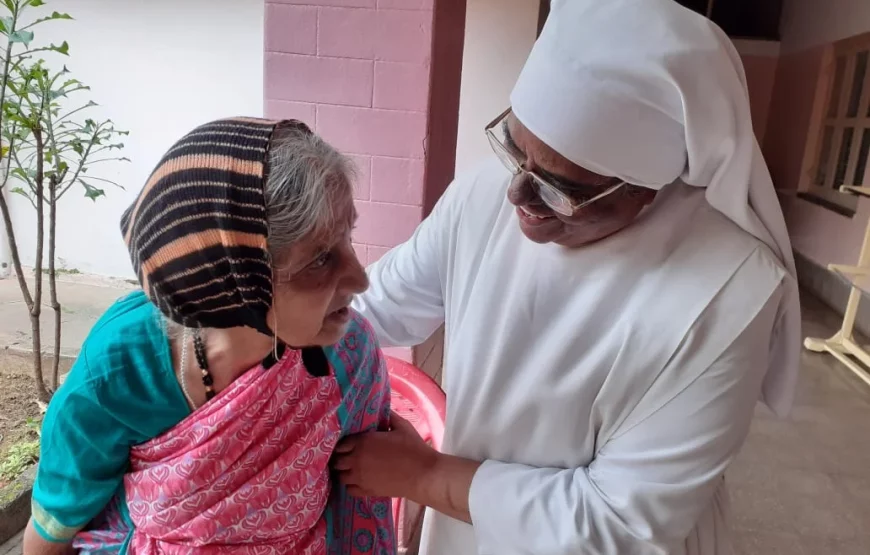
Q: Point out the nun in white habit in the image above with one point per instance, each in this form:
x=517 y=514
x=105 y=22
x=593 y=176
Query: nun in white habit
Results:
x=618 y=290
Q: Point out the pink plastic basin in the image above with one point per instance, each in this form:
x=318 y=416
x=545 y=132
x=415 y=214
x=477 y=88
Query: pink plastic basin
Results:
x=418 y=399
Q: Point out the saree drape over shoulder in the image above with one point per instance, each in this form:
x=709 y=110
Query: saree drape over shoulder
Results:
x=247 y=472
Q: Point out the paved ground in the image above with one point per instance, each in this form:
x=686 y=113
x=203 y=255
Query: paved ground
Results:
x=82 y=301
x=13 y=546
x=800 y=487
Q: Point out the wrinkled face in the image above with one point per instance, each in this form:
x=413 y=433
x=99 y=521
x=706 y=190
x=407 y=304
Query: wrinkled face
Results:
x=586 y=225
x=315 y=282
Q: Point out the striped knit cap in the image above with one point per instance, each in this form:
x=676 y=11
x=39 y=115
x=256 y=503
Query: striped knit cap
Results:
x=197 y=233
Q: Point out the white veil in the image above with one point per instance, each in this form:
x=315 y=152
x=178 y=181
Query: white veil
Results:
x=650 y=92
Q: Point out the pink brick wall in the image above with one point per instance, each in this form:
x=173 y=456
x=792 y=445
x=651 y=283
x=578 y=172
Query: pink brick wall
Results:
x=760 y=75
x=791 y=107
x=358 y=72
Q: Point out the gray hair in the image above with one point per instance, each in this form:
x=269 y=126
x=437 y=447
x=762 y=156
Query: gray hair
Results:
x=306 y=176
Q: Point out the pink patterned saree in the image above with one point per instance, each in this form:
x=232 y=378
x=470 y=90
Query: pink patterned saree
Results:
x=248 y=472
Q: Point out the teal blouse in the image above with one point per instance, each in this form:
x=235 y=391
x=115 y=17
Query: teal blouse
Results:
x=121 y=391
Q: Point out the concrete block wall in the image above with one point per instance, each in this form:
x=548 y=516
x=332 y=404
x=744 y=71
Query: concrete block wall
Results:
x=360 y=73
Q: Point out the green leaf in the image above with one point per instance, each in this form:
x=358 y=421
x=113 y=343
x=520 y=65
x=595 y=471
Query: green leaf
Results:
x=36 y=3
x=6 y=24
x=17 y=117
x=63 y=48
x=21 y=36
x=19 y=191
x=92 y=192
x=23 y=174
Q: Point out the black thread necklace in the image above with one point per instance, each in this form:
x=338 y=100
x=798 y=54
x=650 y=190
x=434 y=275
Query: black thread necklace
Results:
x=202 y=361
x=314 y=360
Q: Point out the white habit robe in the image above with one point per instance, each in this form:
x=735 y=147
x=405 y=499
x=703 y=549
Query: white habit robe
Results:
x=607 y=388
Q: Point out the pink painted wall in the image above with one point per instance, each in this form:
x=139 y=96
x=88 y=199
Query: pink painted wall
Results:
x=819 y=234
x=808 y=28
x=378 y=79
x=760 y=76
x=822 y=235
x=358 y=72
x=791 y=108
x=782 y=89
x=808 y=23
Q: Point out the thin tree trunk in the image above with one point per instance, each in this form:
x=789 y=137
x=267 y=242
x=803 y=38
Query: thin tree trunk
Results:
x=42 y=393
x=13 y=249
x=52 y=279
x=4 y=207
x=32 y=302
x=36 y=309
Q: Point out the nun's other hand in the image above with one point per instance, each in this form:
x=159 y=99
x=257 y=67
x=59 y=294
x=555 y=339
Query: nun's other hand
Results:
x=392 y=463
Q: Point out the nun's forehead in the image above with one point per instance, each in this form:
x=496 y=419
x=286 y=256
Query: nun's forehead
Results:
x=543 y=156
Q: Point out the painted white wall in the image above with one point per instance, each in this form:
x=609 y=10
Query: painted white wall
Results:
x=158 y=68
x=807 y=23
x=498 y=38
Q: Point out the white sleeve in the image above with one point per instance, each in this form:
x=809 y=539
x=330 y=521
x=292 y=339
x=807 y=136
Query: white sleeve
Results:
x=647 y=487
x=405 y=300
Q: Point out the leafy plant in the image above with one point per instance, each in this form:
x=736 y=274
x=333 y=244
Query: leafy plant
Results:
x=50 y=150
x=19 y=457
x=34 y=425
x=21 y=454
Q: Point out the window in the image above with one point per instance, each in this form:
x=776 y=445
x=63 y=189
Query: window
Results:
x=842 y=137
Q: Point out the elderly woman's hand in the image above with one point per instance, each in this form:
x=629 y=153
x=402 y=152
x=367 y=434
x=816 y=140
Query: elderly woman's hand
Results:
x=392 y=463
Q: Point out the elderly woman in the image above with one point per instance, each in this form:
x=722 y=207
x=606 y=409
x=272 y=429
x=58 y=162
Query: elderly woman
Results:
x=203 y=410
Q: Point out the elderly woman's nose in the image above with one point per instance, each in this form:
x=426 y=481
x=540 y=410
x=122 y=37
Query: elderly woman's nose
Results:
x=355 y=279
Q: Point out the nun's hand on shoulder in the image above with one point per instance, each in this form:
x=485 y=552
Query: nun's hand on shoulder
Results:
x=389 y=463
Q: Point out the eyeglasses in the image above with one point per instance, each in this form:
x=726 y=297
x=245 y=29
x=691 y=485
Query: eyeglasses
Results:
x=550 y=194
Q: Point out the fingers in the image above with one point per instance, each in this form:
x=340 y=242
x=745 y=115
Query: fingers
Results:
x=343 y=470
x=346 y=477
x=345 y=446
x=400 y=424
x=349 y=479
x=342 y=464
